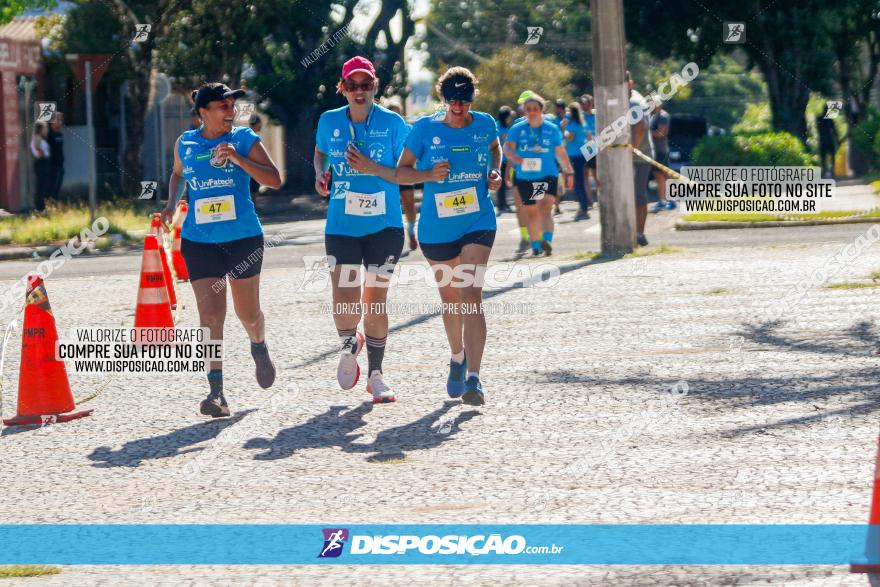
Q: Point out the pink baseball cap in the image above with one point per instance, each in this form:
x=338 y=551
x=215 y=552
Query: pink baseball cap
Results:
x=356 y=64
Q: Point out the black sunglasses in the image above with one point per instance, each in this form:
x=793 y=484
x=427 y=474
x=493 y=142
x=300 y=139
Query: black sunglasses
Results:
x=354 y=86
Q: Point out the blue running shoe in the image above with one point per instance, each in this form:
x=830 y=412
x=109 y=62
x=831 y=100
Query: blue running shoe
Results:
x=473 y=395
x=455 y=381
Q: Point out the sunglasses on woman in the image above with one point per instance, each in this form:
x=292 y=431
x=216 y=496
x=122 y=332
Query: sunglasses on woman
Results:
x=363 y=86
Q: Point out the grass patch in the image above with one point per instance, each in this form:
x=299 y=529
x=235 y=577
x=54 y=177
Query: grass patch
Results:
x=831 y=214
x=62 y=222
x=718 y=291
x=11 y=571
x=852 y=285
x=650 y=251
x=875 y=275
x=586 y=256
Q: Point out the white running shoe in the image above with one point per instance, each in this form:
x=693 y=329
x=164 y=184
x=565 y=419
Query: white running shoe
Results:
x=382 y=394
x=347 y=370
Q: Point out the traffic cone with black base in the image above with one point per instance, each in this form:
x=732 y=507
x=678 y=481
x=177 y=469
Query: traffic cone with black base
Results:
x=871 y=561
x=156 y=230
x=43 y=387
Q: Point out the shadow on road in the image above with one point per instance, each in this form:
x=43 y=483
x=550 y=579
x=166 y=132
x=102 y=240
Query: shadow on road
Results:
x=173 y=444
x=338 y=428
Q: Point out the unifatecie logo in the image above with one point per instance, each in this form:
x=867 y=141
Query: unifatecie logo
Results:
x=334 y=540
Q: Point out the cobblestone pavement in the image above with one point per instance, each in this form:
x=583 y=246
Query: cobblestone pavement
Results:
x=777 y=425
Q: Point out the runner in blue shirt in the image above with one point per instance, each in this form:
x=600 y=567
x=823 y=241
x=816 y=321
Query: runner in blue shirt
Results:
x=574 y=131
x=534 y=145
x=222 y=236
x=364 y=225
x=586 y=102
x=458 y=157
x=505 y=118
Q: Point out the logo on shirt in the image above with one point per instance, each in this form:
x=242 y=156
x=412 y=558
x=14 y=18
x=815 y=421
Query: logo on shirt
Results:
x=436 y=140
x=187 y=169
x=378 y=133
x=464 y=176
x=462 y=149
x=206 y=184
x=335 y=132
x=215 y=159
x=377 y=151
x=480 y=138
x=344 y=169
x=188 y=152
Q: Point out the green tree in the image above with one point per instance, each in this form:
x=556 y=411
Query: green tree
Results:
x=854 y=27
x=269 y=43
x=504 y=75
x=788 y=40
x=467 y=33
x=12 y=8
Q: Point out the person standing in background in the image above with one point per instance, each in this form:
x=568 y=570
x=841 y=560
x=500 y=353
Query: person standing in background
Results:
x=505 y=118
x=828 y=142
x=56 y=156
x=40 y=151
x=575 y=137
x=589 y=133
x=660 y=137
x=641 y=140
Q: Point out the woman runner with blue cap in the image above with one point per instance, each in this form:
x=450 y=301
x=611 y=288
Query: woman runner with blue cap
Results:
x=222 y=235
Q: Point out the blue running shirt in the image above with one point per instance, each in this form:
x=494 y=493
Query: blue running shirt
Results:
x=220 y=205
x=537 y=148
x=573 y=147
x=461 y=203
x=361 y=204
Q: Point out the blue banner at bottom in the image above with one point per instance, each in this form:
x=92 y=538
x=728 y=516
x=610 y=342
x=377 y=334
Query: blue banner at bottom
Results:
x=831 y=544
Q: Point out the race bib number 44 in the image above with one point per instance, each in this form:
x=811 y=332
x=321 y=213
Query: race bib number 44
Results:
x=531 y=164
x=463 y=201
x=216 y=209
x=358 y=204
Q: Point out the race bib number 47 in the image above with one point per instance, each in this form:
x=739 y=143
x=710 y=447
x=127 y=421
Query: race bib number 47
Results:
x=216 y=209
x=463 y=201
x=358 y=204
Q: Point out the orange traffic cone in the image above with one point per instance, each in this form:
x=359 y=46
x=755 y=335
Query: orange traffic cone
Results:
x=156 y=230
x=43 y=388
x=153 y=305
x=872 y=548
x=177 y=257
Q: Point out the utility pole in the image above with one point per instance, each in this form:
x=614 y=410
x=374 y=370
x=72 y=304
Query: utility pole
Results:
x=615 y=166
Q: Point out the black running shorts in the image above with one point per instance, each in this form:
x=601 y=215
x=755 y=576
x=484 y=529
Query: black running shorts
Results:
x=373 y=251
x=239 y=259
x=451 y=250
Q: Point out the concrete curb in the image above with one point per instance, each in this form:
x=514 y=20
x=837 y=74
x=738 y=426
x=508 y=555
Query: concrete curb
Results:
x=680 y=225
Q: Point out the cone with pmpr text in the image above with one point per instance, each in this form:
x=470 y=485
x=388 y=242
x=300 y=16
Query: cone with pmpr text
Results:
x=156 y=230
x=871 y=561
x=153 y=306
x=43 y=388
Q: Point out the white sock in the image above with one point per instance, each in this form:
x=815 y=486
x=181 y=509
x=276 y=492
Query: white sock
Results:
x=458 y=357
x=472 y=373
